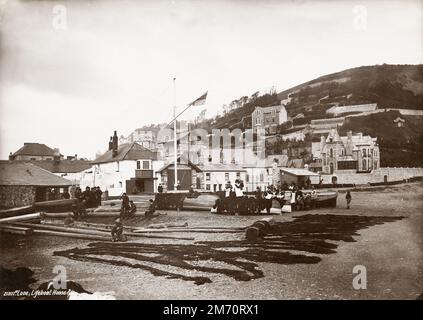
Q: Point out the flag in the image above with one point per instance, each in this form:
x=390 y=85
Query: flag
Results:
x=199 y=101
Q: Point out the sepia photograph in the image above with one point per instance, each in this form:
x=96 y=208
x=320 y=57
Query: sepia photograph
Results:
x=190 y=150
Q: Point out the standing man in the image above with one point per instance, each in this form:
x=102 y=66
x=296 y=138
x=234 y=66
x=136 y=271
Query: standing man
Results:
x=228 y=193
x=259 y=200
x=348 y=197
x=239 y=194
x=125 y=205
x=98 y=193
x=160 y=188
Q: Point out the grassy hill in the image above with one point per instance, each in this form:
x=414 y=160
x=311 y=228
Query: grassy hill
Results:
x=395 y=86
x=399 y=147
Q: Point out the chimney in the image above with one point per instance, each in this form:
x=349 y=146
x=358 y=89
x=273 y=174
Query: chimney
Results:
x=115 y=144
x=111 y=143
x=56 y=154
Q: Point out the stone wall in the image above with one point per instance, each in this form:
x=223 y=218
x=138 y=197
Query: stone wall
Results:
x=16 y=196
x=376 y=176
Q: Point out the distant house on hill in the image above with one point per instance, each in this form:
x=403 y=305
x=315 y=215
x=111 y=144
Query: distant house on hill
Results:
x=23 y=183
x=358 y=108
x=268 y=118
x=399 y=122
x=36 y=151
x=324 y=126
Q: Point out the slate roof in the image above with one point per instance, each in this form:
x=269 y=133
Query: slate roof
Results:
x=34 y=149
x=62 y=166
x=299 y=172
x=127 y=151
x=17 y=173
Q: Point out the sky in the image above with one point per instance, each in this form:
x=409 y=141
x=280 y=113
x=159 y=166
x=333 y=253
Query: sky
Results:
x=72 y=72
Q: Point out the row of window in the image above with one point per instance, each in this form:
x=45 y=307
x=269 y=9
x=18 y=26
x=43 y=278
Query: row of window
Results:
x=208 y=176
x=364 y=152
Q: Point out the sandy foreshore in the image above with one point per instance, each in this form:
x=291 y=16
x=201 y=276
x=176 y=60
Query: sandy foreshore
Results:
x=316 y=252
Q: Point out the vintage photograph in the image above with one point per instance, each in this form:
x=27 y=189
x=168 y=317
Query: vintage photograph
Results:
x=211 y=150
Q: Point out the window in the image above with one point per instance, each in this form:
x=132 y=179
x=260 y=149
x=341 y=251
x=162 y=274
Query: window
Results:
x=120 y=184
x=331 y=152
x=208 y=187
x=138 y=165
x=146 y=165
x=238 y=175
x=220 y=187
x=364 y=153
x=247 y=178
x=207 y=176
x=261 y=177
x=226 y=176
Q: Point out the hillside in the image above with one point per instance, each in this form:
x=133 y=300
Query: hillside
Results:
x=394 y=86
x=400 y=147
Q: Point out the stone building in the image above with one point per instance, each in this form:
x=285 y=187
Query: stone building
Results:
x=23 y=184
x=355 y=153
x=268 y=118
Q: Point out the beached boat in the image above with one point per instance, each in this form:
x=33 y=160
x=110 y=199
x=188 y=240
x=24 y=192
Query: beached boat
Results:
x=62 y=205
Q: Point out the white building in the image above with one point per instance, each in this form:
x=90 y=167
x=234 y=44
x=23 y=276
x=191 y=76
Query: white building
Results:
x=126 y=168
x=338 y=110
x=215 y=175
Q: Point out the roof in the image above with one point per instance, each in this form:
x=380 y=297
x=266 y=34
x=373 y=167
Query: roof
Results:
x=282 y=161
x=16 y=173
x=189 y=163
x=299 y=172
x=399 y=119
x=61 y=166
x=34 y=149
x=126 y=151
x=222 y=167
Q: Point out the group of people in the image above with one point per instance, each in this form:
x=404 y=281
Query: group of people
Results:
x=235 y=200
x=89 y=198
x=128 y=207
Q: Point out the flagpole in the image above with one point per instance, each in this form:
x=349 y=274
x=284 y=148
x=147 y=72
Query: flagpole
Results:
x=175 y=144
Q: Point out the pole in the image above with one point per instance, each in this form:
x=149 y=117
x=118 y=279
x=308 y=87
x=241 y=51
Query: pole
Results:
x=175 y=144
